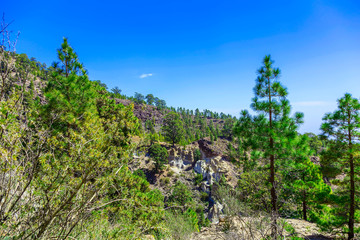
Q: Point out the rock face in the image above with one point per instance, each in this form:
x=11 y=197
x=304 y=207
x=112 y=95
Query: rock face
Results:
x=200 y=167
x=212 y=169
x=205 y=147
x=181 y=158
x=178 y=163
x=208 y=170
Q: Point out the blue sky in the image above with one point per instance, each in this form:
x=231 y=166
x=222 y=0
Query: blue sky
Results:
x=203 y=54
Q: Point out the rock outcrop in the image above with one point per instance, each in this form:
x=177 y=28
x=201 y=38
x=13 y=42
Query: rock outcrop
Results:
x=181 y=158
x=212 y=169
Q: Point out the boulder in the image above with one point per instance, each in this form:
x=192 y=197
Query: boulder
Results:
x=200 y=167
x=177 y=163
x=215 y=213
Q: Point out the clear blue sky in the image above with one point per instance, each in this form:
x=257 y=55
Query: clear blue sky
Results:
x=203 y=53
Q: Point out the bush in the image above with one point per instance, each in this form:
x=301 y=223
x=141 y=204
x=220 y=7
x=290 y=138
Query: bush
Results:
x=179 y=225
x=197 y=155
x=181 y=196
x=170 y=173
x=165 y=181
x=204 y=196
x=198 y=179
x=140 y=173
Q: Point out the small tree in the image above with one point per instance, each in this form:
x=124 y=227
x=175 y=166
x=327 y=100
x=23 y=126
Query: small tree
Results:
x=197 y=155
x=160 y=104
x=150 y=99
x=159 y=154
x=227 y=130
x=343 y=126
x=139 y=98
x=181 y=196
x=173 y=128
x=303 y=179
x=116 y=90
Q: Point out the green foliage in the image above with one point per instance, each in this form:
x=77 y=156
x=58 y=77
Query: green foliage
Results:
x=172 y=128
x=116 y=90
x=181 y=204
x=160 y=104
x=303 y=179
x=197 y=155
x=342 y=156
x=198 y=179
x=204 y=196
x=140 y=173
x=227 y=130
x=253 y=190
x=131 y=207
x=192 y=216
x=291 y=230
x=164 y=181
x=180 y=196
x=139 y=98
x=179 y=225
x=150 y=99
x=315 y=143
x=170 y=173
x=159 y=154
x=67 y=158
x=272 y=131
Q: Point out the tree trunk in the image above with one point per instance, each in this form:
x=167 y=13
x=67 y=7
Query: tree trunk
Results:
x=304 y=206
x=352 y=199
x=352 y=185
x=273 y=194
x=272 y=174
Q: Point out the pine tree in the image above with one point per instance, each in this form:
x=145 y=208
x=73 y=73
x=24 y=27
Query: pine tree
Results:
x=159 y=154
x=173 y=128
x=303 y=179
x=343 y=126
x=68 y=92
x=275 y=129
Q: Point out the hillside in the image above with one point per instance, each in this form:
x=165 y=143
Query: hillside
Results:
x=82 y=162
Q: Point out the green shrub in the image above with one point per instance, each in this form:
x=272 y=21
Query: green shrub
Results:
x=204 y=196
x=180 y=195
x=198 y=179
x=197 y=155
x=179 y=225
x=170 y=173
x=140 y=173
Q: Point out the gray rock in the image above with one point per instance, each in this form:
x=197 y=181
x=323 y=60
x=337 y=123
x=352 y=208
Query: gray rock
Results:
x=215 y=213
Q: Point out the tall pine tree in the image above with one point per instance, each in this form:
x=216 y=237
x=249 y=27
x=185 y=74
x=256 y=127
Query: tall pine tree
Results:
x=275 y=129
x=343 y=127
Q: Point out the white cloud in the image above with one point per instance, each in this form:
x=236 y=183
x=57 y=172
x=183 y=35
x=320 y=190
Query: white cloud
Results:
x=311 y=103
x=145 y=75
